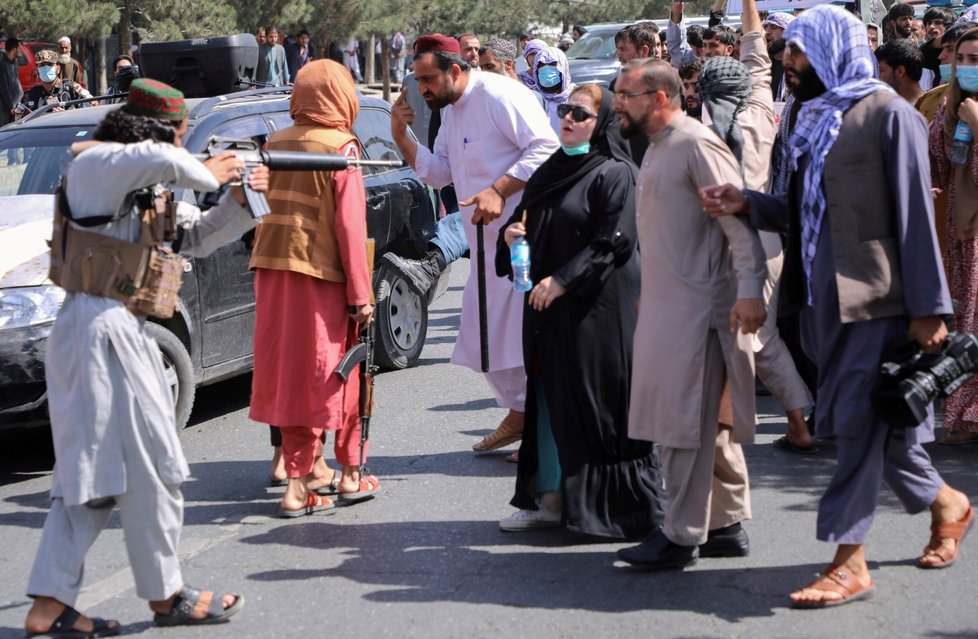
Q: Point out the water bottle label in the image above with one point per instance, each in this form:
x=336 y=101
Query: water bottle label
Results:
x=963 y=132
x=521 y=252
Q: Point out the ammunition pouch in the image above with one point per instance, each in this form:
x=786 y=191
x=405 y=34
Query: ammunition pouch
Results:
x=146 y=276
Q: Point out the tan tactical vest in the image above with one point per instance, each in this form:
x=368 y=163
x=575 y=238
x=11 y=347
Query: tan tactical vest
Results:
x=145 y=275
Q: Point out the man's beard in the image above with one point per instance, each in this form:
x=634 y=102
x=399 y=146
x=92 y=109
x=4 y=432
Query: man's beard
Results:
x=776 y=47
x=440 y=101
x=634 y=127
x=809 y=85
x=903 y=33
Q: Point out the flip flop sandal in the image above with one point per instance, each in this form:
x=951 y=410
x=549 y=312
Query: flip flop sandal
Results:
x=314 y=504
x=332 y=488
x=953 y=530
x=181 y=613
x=505 y=434
x=368 y=489
x=836 y=580
x=64 y=626
x=785 y=444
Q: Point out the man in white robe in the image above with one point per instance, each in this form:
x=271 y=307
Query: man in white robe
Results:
x=493 y=136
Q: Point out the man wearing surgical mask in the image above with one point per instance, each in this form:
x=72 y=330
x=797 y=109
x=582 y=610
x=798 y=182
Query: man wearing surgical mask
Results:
x=52 y=89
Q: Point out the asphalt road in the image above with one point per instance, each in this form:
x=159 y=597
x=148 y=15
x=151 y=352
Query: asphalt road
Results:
x=426 y=559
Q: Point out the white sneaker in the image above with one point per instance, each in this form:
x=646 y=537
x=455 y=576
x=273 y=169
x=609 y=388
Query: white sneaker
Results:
x=523 y=520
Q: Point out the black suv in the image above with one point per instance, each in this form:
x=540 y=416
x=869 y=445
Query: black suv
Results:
x=210 y=336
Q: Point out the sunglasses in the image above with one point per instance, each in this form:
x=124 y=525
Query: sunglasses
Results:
x=577 y=113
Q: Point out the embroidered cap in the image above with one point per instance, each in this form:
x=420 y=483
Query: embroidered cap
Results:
x=155 y=99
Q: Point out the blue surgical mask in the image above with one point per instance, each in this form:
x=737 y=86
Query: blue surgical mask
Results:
x=580 y=149
x=548 y=76
x=47 y=74
x=945 y=71
x=968 y=78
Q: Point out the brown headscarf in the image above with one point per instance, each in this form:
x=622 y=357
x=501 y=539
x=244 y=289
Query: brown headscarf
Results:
x=324 y=95
x=965 y=210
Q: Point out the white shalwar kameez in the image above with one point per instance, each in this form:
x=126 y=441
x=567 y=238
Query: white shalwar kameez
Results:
x=111 y=408
x=495 y=128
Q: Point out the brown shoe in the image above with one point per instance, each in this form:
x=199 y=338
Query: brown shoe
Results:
x=509 y=430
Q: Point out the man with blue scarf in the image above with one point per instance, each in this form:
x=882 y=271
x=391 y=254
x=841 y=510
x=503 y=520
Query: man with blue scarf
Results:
x=862 y=264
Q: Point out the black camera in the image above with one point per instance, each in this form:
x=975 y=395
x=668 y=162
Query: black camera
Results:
x=911 y=379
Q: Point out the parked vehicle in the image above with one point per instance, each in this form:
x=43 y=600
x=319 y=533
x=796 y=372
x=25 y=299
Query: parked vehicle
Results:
x=592 y=58
x=210 y=336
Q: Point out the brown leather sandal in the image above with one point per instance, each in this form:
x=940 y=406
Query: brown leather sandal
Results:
x=942 y=532
x=836 y=580
x=509 y=430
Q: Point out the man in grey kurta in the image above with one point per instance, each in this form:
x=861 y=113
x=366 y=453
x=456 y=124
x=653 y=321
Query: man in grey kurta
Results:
x=699 y=282
x=111 y=408
x=862 y=263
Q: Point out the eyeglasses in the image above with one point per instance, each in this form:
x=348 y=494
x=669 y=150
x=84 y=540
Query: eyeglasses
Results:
x=577 y=113
x=621 y=95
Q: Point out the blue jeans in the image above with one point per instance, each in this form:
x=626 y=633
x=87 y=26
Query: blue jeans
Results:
x=450 y=237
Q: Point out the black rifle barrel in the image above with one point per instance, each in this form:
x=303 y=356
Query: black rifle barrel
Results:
x=301 y=161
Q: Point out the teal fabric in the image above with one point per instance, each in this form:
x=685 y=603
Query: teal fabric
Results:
x=548 y=473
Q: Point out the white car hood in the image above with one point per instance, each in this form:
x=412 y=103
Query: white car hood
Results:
x=25 y=229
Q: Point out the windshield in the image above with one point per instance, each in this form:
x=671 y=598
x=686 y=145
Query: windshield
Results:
x=597 y=44
x=33 y=159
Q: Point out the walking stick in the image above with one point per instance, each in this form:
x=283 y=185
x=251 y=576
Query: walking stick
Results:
x=483 y=319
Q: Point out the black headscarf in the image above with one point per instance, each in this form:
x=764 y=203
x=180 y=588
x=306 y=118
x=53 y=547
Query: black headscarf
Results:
x=561 y=171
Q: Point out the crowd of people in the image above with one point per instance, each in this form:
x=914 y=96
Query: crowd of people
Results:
x=673 y=219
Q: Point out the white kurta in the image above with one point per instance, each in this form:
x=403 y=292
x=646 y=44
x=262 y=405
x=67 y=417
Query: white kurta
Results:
x=495 y=128
x=103 y=369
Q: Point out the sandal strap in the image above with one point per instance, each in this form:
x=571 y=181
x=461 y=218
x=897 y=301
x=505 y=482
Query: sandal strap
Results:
x=66 y=620
x=835 y=578
x=216 y=609
x=185 y=602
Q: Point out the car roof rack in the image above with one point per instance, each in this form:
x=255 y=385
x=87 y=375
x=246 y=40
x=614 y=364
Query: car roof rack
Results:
x=207 y=104
x=47 y=108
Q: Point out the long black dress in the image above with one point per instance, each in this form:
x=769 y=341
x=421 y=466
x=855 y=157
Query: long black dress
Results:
x=580 y=349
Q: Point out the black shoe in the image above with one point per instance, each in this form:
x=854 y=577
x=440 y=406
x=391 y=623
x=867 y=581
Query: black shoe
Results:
x=658 y=553
x=726 y=542
x=418 y=274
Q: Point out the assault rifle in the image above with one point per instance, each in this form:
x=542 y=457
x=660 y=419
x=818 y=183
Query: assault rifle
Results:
x=249 y=152
x=363 y=354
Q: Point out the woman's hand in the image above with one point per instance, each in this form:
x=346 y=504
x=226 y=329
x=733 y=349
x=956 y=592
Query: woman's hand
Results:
x=968 y=112
x=513 y=231
x=544 y=293
x=225 y=167
x=362 y=314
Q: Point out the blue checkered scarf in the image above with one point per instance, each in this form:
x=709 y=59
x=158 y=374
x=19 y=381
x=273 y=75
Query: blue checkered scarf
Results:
x=835 y=43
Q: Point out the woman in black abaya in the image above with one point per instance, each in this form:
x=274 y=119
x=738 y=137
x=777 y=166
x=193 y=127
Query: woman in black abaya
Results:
x=577 y=466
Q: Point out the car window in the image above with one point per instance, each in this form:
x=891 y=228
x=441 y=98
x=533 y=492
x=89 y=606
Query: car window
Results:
x=32 y=160
x=594 y=45
x=373 y=129
x=247 y=128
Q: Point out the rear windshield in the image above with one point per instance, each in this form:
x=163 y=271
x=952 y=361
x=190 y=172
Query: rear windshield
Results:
x=33 y=159
x=598 y=44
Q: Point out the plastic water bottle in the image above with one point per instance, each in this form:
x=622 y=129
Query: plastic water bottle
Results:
x=519 y=255
x=959 y=146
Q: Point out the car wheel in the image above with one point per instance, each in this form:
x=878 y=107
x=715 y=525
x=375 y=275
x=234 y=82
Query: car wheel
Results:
x=179 y=371
x=402 y=321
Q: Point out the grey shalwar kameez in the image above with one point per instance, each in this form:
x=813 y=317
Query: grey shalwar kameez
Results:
x=847 y=340
x=112 y=412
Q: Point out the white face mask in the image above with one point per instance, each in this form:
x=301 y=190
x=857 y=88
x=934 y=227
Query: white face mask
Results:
x=47 y=73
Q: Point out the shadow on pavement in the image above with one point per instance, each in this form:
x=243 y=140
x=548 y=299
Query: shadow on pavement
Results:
x=459 y=562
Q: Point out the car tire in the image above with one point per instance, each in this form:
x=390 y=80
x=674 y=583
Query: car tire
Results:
x=179 y=371
x=401 y=317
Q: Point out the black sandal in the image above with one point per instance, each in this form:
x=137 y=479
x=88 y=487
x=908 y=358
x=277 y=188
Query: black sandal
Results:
x=181 y=612
x=64 y=626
